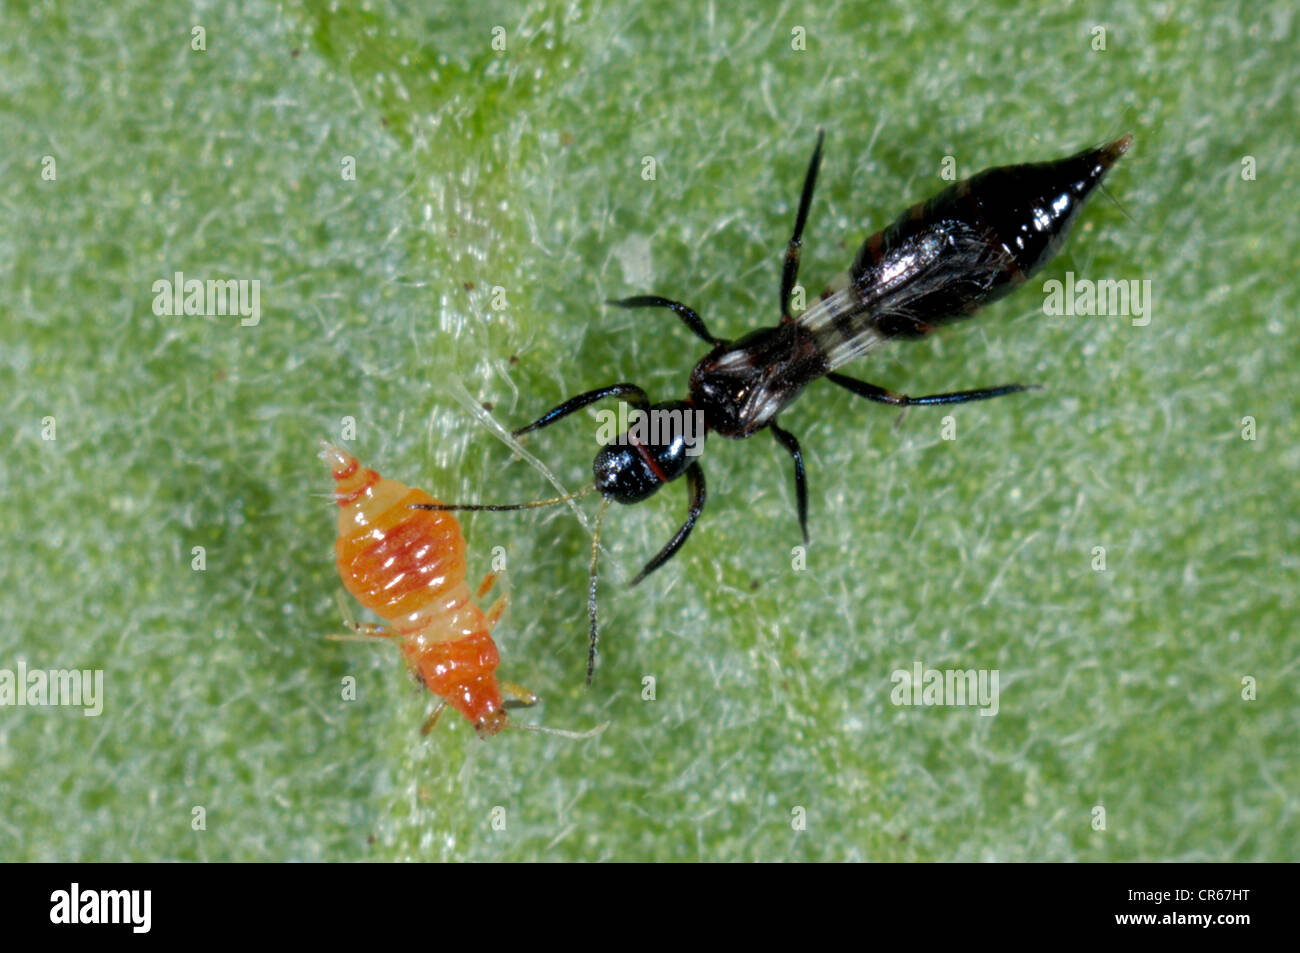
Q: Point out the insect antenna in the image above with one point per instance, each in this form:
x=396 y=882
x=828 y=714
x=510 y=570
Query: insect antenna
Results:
x=591 y=591
x=500 y=507
x=595 y=550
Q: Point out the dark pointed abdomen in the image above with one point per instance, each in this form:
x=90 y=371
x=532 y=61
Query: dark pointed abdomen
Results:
x=975 y=241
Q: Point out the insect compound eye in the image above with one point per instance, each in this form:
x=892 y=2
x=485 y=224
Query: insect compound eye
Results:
x=623 y=475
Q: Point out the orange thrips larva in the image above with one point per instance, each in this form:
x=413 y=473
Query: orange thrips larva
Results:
x=408 y=567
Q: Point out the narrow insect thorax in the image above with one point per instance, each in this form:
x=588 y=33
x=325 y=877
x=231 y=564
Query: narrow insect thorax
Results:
x=742 y=385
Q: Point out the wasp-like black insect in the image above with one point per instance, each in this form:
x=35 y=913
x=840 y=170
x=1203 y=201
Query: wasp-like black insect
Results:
x=938 y=262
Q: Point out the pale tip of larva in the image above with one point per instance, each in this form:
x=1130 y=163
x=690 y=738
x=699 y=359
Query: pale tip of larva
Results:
x=334 y=457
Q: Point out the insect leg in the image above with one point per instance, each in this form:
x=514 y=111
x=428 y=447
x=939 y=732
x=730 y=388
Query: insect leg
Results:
x=787 y=440
x=520 y=697
x=790 y=270
x=433 y=718
x=593 y=616
x=635 y=396
x=362 y=631
x=882 y=396
x=498 y=608
x=688 y=315
x=695 y=477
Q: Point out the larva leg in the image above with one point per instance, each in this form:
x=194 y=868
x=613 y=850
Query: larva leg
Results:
x=365 y=631
x=433 y=718
x=362 y=631
x=497 y=609
x=486 y=585
x=520 y=697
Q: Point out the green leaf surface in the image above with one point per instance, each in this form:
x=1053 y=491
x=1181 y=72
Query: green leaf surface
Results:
x=772 y=735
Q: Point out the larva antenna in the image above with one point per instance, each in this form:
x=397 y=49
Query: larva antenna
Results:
x=501 y=507
x=560 y=732
x=501 y=723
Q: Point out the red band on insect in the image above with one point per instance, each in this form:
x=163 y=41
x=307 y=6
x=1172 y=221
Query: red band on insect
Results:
x=347 y=499
x=348 y=470
x=649 y=460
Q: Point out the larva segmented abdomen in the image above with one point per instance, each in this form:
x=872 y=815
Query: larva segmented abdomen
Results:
x=405 y=565
x=408 y=567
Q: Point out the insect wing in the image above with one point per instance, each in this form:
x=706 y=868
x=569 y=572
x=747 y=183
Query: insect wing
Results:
x=904 y=293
